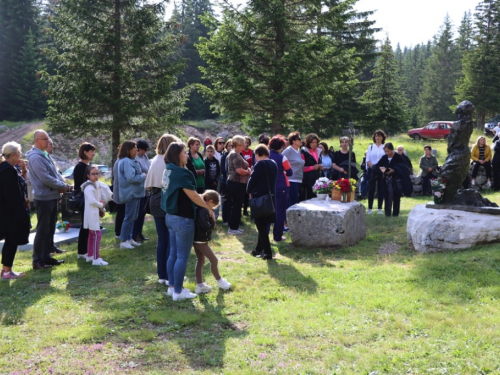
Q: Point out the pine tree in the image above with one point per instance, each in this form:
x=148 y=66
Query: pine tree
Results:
x=440 y=77
x=187 y=15
x=115 y=71
x=27 y=88
x=17 y=17
x=386 y=108
x=277 y=63
x=481 y=64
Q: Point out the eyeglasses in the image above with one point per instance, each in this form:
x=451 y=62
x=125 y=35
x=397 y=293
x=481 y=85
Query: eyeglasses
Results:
x=221 y=143
x=43 y=139
x=94 y=174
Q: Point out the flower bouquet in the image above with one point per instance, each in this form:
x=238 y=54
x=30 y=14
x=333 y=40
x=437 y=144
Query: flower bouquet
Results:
x=344 y=189
x=62 y=226
x=438 y=186
x=323 y=186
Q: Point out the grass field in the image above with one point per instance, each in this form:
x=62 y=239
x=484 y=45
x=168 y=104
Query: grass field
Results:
x=373 y=308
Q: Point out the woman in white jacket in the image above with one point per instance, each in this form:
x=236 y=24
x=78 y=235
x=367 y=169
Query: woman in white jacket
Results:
x=94 y=209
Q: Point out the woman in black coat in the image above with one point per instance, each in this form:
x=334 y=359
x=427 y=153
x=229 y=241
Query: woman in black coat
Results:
x=386 y=166
x=262 y=180
x=14 y=220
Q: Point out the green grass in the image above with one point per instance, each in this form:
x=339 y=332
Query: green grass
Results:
x=311 y=311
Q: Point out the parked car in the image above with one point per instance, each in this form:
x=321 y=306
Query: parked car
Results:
x=433 y=130
x=490 y=124
x=104 y=170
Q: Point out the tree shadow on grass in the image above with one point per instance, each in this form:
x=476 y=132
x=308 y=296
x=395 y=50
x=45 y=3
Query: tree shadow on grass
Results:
x=18 y=295
x=468 y=275
x=289 y=277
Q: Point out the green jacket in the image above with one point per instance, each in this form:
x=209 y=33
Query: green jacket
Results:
x=175 y=178
x=425 y=164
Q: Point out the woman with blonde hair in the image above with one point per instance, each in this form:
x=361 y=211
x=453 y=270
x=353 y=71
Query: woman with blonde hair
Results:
x=481 y=155
x=14 y=220
x=238 y=174
x=153 y=188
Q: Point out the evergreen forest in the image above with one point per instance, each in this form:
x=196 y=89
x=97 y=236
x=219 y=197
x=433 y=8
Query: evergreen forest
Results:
x=126 y=66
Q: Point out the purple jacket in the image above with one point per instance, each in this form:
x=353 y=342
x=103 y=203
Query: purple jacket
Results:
x=281 y=182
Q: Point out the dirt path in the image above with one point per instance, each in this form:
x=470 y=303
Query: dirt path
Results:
x=17 y=134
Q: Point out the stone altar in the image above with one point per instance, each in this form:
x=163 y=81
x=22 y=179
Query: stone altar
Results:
x=320 y=223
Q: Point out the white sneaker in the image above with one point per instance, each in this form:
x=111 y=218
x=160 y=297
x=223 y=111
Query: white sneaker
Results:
x=118 y=237
x=380 y=212
x=473 y=183
x=236 y=232
x=90 y=259
x=369 y=212
x=82 y=256
x=240 y=230
x=126 y=245
x=133 y=243
x=185 y=294
x=170 y=292
x=223 y=284
x=99 y=262
x=163 y=281
x=202 y=288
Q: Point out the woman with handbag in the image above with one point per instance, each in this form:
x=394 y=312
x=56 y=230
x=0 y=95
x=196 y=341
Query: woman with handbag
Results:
x=153 y=186
x=86 y=153
x=262 y=186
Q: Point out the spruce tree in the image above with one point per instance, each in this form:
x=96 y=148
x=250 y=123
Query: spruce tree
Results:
x=17 y=18
x=277 y=64
x=481 y=64
x=27 y=90
x=114 y=70
x=386 y=107
x=440 y=77
x=188 y=15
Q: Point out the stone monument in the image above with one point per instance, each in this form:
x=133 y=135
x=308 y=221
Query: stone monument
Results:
x=320 y=223
x=464 y=218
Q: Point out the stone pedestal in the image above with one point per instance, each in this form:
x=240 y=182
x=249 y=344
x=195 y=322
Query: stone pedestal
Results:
x=436 y=230
x=316 y=223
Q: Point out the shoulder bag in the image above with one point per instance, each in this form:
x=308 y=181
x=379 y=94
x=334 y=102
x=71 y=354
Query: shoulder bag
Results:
x=76 y=201
x=264 y=205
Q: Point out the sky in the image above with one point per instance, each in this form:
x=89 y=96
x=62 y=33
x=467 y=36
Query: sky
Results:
x=409 y=22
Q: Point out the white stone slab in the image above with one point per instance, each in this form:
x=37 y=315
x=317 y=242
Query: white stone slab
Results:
x=70 y=236
x=430 y=230
x=320 y=223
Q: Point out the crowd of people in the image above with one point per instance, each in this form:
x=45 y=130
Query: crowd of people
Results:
x=185 y=188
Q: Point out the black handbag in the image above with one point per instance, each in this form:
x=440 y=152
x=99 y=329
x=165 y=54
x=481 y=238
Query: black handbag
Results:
x=76 y=201
x=264 y=205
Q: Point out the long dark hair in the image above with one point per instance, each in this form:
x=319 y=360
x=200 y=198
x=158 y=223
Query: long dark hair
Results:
x=173 y=153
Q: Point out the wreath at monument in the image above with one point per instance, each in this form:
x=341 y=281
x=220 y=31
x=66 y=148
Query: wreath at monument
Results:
x=438 y=186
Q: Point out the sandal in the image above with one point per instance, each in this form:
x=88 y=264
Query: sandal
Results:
x=11 y=275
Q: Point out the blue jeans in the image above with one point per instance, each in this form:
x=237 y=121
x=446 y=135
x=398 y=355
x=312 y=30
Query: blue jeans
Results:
x=162 y=247
x=139 y=222
x=131 y=212
x=181 y=231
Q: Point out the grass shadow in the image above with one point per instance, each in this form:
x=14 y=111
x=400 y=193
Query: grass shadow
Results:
x=289 y=277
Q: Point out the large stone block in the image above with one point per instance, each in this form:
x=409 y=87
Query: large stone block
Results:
x=430 y=230
x=319 y=223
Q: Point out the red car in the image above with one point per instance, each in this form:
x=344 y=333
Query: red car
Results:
x=434 y=130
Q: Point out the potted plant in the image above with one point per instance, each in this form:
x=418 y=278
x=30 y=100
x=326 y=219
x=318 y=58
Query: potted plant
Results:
x=323 y=187
x=344 y=189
